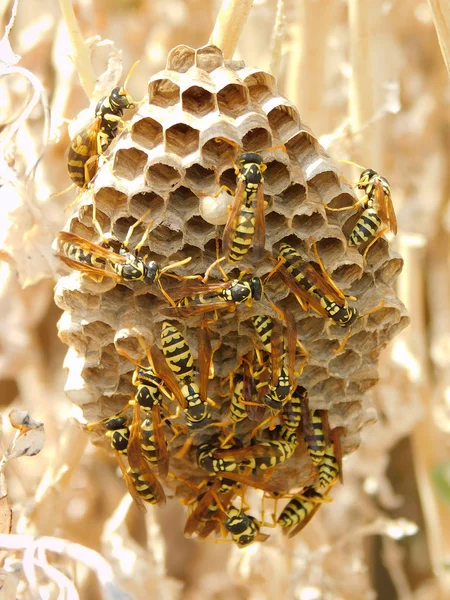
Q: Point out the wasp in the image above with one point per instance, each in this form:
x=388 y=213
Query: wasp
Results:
x=246 y=224
x=97 y=262
x=93 y=140
x=264 y=455
x=244 y=528
x=314 y=290
x=197 y=298
x=330 y=467
x=117 y=430
x=292 y=410
x=300 y=510
x=210 y=508
x=282 y=356
x=140 y=481
x=175 y=366
x=378 y=215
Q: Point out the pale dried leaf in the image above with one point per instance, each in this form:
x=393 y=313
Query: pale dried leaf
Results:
x=27 y=444
x=22 y=420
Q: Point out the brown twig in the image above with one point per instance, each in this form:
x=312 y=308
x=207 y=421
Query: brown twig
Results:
x=229 y=24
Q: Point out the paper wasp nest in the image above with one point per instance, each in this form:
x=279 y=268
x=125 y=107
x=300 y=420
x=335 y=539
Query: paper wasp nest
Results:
x=168 y=159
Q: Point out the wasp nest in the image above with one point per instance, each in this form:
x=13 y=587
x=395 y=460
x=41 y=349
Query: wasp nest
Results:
x=171 y=158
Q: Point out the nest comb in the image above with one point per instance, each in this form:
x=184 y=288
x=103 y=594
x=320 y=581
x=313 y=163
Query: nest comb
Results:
x=167 y=160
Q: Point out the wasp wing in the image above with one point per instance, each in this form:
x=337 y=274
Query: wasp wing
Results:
x=259 y=240
x=233 y=218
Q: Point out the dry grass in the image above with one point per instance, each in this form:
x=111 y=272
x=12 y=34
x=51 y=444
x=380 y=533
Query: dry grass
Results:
x=377 y=91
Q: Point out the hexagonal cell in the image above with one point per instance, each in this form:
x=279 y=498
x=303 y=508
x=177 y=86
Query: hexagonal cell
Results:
x=164 y=240
x=199 y=178
x=256 y=139
x=310 y=327
x=314 y=374
x=232 y=100
x=322 y=350
x=363 y=343
x=181 y=58
x=291 y=198
x=198 y=101
x=346 y=274
x=196 y=229
x=195 y=266
x=151 y=303
x=181 y=139
x=328 y=389
x=162 y=177
x=330 y=249
x=85 y=216
x=163 y=92
x=276 y=177
x=147 y=132
x=306 y=225
x=216 y=150
x=390 y=270
x=141 y=203
x=129 y=163
x=284 y=120
x=378 y=252
x=122 y=226
x=183 y=202
x=260 y=86
x=209 y=58
x=276 y=226
x=110 y=201
x=344 y=364
x=384 y=317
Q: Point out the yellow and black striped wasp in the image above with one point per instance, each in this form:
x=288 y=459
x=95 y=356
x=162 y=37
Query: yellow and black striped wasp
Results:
x=141 y=483
x=93 y=139
x=378 y=214
x=244 y=528
x=281 y=355
x=264 y=455
x=198 y=298
x=312 y=289
x=178 y=372
x=300 y=510
x=98 y=262
x=323 y=444
x=246 y=226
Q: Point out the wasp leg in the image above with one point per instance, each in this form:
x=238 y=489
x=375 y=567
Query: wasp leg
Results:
x=378 y=235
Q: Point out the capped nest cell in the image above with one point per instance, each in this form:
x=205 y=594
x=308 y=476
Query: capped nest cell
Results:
x=166 y=168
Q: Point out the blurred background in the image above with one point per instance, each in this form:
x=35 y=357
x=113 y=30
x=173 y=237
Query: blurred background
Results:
x=369 y=79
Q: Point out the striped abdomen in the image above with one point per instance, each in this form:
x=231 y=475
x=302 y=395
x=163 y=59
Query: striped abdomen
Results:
x=177 y=352
x=366 y=227
x=142 y=487
x=238 y=410
x=299 y=508
x=315 y=438
x=328 y=468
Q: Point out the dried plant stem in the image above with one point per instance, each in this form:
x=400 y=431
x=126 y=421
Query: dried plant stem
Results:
x=50 y=497
x=363 y=18
x=81 y=54
x=12 y=19
x=229 y=24
x=441 y=17
x=307 y=61
x=427 y=451
x=276 y=44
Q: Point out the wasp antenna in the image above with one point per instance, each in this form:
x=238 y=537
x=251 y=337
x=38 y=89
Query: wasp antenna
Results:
x=352 y=164
x=130 y=73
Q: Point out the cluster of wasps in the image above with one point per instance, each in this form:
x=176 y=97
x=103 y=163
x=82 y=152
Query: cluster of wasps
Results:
x=267 y=408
